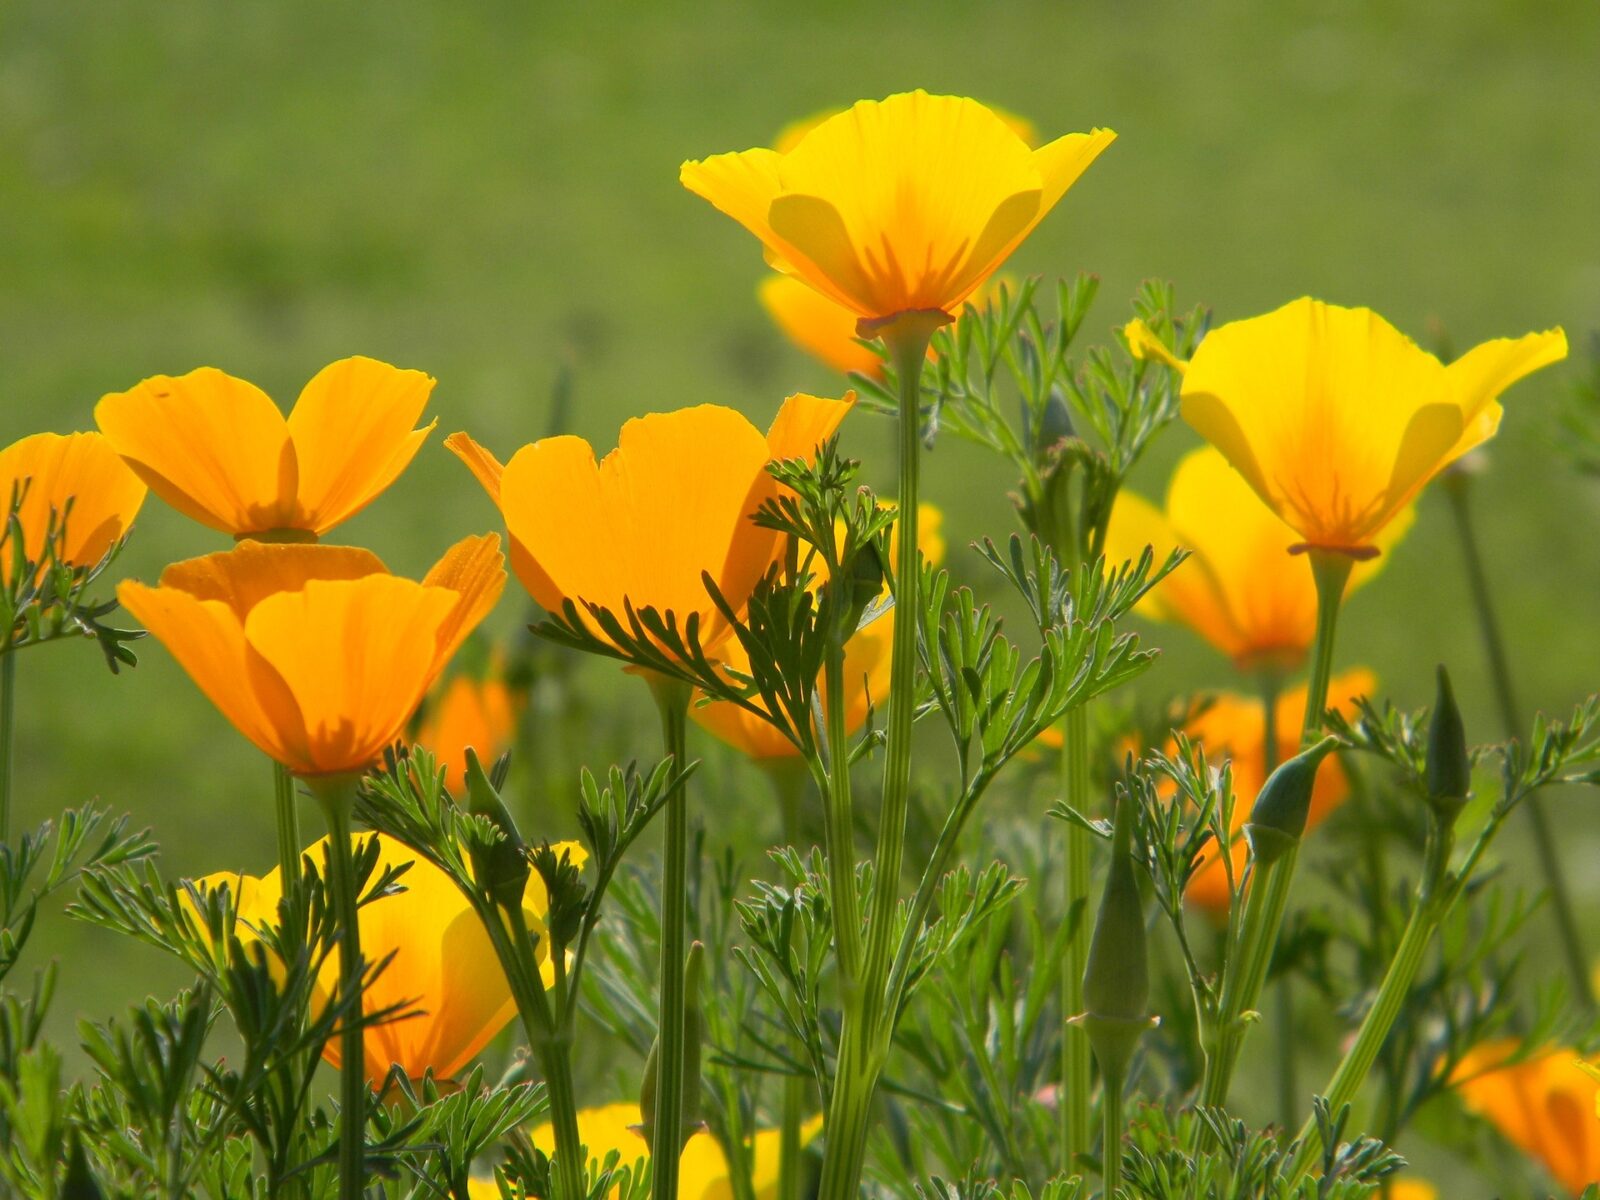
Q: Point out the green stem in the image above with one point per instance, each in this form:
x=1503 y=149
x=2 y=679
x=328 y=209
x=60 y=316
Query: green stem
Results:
x=789 y=782
x=1433 y=902
x=288 y=828
x=1457 y=484
x=1288 y=1084
x=867 y=1025
x=839 y=823
x=8 y=706
x=1246 y=969
x=336 y=794
x=1073 y=1101
x=1111 y=1139
x=672 y=699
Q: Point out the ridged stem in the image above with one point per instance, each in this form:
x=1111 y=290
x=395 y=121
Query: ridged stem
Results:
x=8 y=713
x=1073 y=1101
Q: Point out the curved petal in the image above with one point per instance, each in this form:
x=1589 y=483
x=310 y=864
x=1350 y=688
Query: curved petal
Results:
x=356 y=656
x=352 y=433
x=208 y=640
x=826 y=258
x=1488 y=369
x=81 y=479
x=214 y=447
x=743 y=185
x=818 y=325
x=474 y=569
x=485 y=467
x=554 y=508
x=244 y=576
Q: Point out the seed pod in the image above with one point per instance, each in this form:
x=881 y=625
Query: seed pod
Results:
x=1116 y=981
x=1448 y=773
x=1279 y=817
x=503 y=868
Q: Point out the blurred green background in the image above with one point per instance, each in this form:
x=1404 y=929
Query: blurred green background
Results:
x=489 y=192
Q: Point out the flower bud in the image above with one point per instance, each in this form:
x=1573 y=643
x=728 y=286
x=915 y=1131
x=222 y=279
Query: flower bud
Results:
x=1116 y=981
x=693 y=1035
x=1279 y=817
x=503 y=868
x=1448 y=774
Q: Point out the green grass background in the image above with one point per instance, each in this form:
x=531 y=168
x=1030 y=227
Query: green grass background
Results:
x=489 y=192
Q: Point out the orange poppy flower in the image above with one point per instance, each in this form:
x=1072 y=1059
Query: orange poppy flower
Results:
x=902 y=205
x=1337 y=419
x=476 y=713
x=792 y=134
x=444 y=972
x=866 y=662
x=1545 y=1106
x=217 y=449
x=1234 y=727
x=1240 y=589
x=672 y=502
x=316 y=653
x=80 y=469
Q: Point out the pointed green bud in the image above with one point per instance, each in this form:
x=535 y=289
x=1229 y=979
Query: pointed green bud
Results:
x=503 y=869
x=863 y=586
x=693 y=1036
x=1116 y=981
x=1449 y=768
x=1055 y=425
x=1279 y=817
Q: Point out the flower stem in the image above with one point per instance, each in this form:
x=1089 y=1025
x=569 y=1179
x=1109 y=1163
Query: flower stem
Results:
x=868 y=1023
x=1246 y=969
x=1457 y=485
x=336 y=794
x=1073 y=1101
x=1283 y=1019
x=1111 y=1138
x=288 y=828
x=672 y=699
x=789 y=783
x=8 y=713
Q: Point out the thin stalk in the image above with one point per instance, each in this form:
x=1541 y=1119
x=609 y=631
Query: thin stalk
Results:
x=672 y=698
x=1457 y=484
x=288 y=827
x=1268 y=899
x=866 y=1023
x=839 y=822
x=336 y=794
x=8 y=713
x=790 y=785
x=1111 y=1138
x=1288 y=1085
x=1073 y=1102
x=1433 y=902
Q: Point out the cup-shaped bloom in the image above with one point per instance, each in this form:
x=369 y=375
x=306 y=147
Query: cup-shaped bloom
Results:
x=73 y=484
x=1544 y=1105
x=866 y=666
x=902 y=205
x=1234 y=727
x=1240 y=589
x=641 y=526
x=316 y=653
x=219 y=450
x=1337 y=419
x=476 y=713
x=703 y=1169
x=444 y=980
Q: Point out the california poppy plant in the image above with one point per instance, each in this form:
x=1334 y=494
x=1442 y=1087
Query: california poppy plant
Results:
x=1233 y=727
x=73 y=486
x=866 y=671
x=480 y=714
x=443 y=980
x=316 y=653
x=902 y=205
x=641 y=526
x=1240 y=589
x=1337 y=419
x=1544 y=1105
x=218 y=449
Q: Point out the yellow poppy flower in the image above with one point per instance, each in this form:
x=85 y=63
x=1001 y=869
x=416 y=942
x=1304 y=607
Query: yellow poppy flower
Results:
x=444 y=972
x=902 y=205
x=1412 y=1189
x=1337 y=419
x=866 y=663
x=80 y=468
x=702 y=1171
x=480 y=713
x=792 y=134
x=1545 y=1106
x=217 y=449
x=670 y=503
x=316 y=653
x=1234 y=727
x=1240 y=589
